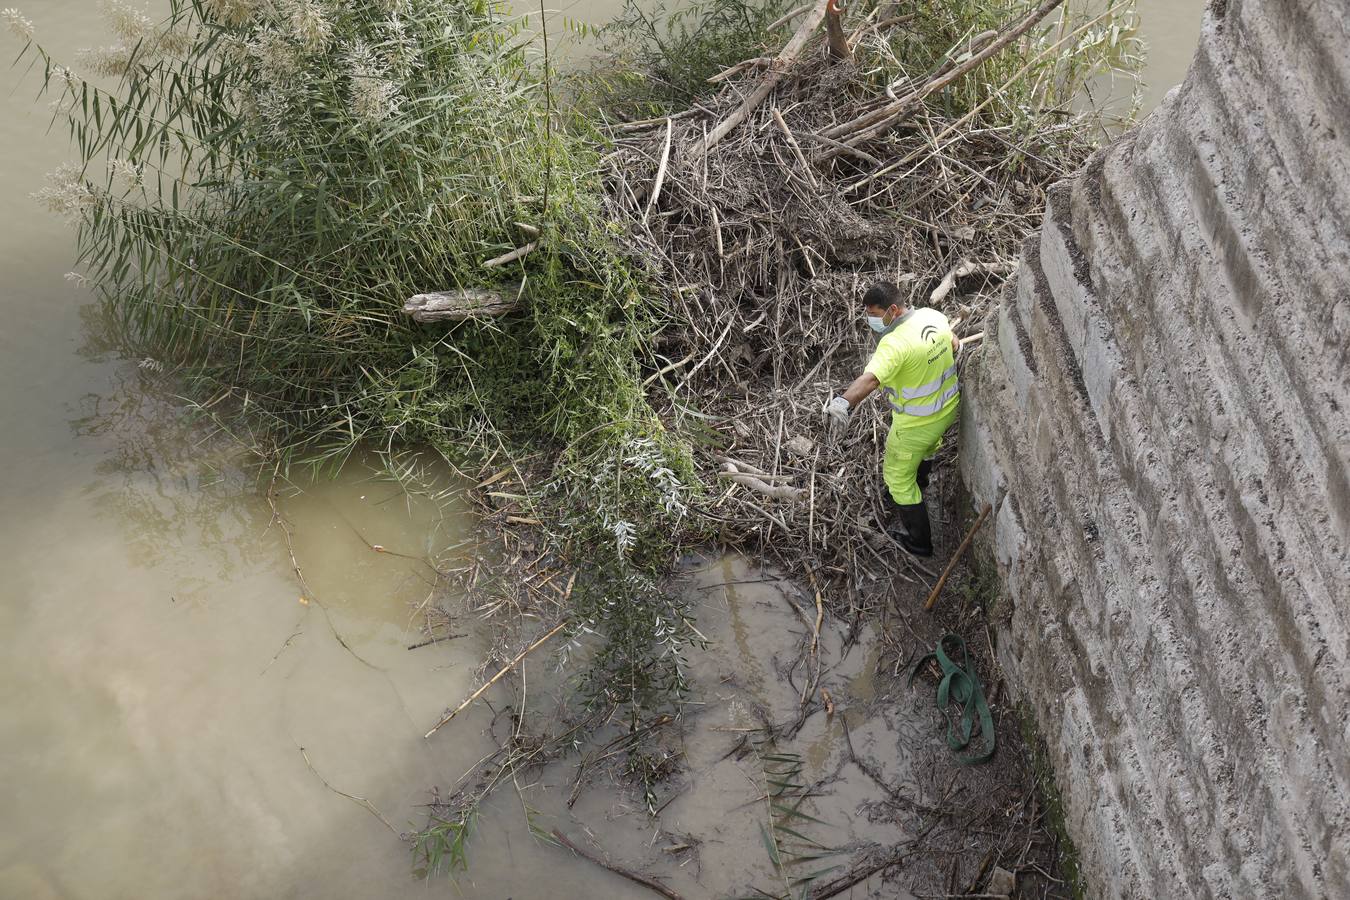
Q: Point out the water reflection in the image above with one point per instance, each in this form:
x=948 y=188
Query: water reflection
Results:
x=168 y=486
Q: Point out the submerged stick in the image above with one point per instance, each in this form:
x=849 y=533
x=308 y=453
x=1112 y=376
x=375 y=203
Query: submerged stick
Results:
x=279 y=520
x=495 y=678
x=956 y=557
x=634 y=877
x=359 y=801
x=435 y=640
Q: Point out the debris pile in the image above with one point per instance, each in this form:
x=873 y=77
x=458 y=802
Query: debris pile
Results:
x=767 y=209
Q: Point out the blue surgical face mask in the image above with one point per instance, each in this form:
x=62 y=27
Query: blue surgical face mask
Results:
x=877 y=323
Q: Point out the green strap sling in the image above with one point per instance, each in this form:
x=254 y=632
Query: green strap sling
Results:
x=960 y=684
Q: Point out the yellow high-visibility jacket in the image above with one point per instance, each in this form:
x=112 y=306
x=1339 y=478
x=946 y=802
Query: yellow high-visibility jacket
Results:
x=917 y=370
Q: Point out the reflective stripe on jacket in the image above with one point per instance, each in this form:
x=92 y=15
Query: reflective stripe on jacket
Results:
x=914 y=363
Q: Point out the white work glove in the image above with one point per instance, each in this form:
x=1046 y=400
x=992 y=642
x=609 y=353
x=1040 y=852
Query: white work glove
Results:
x=836 y=413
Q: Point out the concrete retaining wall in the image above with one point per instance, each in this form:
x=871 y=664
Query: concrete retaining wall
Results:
x=1161 y=414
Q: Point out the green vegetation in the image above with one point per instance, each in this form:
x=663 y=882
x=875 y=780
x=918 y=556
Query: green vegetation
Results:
x=798 y=859
x=268 y=182
x=441 y=847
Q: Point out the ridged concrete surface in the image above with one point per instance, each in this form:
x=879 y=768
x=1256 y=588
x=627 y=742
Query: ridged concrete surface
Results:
x=1161 y=414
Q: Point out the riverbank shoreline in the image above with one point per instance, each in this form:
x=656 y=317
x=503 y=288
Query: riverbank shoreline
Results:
x=804 y=759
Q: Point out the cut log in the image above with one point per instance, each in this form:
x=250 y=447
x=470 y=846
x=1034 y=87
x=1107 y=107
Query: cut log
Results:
x=455 y=306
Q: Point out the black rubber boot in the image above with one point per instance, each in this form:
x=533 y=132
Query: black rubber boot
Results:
x=920 y=535
x=909 y=526
x=921 y=476
x=915 y=535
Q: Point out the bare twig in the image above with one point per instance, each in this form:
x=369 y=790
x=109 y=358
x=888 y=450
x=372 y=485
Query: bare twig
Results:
x=660 y=171
x=518 y=253
x=788 y=17
x=738 y=68
x=796 y=148
x=616 y=869
x=495 y=678
x=360 y=801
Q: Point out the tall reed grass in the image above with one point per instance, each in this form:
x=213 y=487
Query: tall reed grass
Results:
x=263 y=185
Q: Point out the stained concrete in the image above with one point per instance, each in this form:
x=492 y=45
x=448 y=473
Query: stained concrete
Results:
x=1161 y=416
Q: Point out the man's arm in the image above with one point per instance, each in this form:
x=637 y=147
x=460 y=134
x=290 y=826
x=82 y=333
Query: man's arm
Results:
x=863 y=385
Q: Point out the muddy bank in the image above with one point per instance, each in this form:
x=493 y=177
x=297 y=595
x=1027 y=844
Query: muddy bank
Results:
x=804 y=765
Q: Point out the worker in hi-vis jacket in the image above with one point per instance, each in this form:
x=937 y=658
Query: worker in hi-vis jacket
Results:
x=914 y=364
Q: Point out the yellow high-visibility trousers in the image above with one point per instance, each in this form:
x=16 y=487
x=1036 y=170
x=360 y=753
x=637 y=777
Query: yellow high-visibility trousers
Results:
x=908 y=445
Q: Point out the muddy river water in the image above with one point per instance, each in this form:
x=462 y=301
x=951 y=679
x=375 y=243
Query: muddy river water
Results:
x=177 y=718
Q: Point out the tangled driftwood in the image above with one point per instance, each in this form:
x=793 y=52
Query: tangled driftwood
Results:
x=765 y=211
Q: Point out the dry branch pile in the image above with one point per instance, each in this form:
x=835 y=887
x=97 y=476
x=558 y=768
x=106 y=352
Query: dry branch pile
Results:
x=765 y=212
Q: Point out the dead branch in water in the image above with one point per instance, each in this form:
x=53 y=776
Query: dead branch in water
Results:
x=360 y=801
x=495 y=678
x=616 y=869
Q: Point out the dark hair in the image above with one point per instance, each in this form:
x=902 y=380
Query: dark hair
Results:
x=883 y=295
